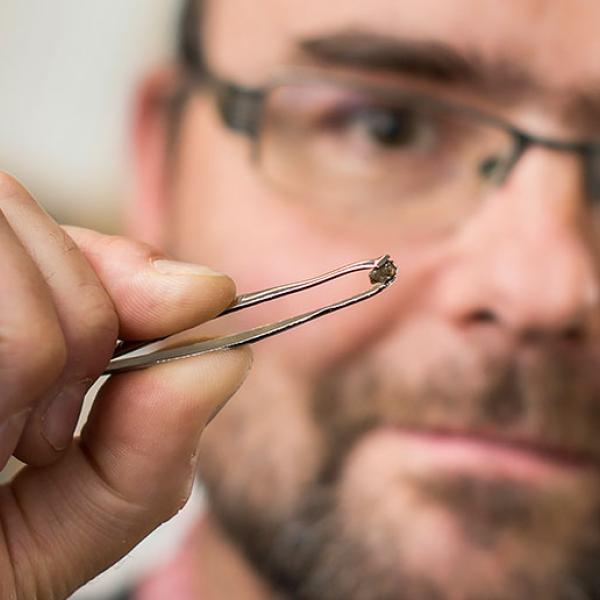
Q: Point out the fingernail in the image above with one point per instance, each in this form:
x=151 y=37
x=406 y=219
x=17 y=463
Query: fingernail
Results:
x=173 y=267
x=60 y=419
x=10 y=432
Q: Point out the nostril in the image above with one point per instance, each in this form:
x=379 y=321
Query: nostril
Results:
x=573 y=334
x=482 y=315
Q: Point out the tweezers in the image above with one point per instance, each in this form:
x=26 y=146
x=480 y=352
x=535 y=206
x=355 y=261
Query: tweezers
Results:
x=382 y=274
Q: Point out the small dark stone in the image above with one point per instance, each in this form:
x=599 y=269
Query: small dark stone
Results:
x=384 y=273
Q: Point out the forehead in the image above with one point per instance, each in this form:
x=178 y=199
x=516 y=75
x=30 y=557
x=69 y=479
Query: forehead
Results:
x=556 y=40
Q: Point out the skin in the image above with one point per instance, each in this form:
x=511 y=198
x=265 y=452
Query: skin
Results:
x=428 y=423
x=82 y=290
x=345 y=434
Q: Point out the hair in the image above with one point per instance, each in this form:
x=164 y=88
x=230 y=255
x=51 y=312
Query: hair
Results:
x=190 y=58
x=189 y=39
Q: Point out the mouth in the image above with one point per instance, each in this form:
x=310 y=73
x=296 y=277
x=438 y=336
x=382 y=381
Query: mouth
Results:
x=489 y=453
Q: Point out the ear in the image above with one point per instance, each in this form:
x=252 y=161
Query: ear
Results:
x=146 y=213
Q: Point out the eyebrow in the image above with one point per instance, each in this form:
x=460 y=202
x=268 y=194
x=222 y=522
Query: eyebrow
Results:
x=584 y=108
x=435 y=61
x=430 y=60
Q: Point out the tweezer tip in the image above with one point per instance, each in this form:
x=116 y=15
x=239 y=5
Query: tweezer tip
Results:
x=384 y=271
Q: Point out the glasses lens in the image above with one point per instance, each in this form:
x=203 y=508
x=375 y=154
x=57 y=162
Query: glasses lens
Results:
x=365 y=151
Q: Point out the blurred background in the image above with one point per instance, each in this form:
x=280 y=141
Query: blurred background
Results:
x=68 y=71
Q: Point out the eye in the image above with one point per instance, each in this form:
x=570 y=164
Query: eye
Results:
x=384 y=128
x=388 y=127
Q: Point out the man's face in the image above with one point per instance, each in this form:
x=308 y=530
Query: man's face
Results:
x=441 y=440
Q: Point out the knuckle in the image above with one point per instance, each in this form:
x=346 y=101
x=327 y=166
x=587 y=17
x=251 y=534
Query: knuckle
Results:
x=96 y=326
x=9 y=186
x=49 y=358
x=64 y=241
x=122 y=246
x=36 y=360
x=102 y=322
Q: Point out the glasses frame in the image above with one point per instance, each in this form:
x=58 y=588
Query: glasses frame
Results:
x=242 y=110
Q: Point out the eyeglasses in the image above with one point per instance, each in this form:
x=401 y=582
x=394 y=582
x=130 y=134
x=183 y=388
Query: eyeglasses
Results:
x=374 y=151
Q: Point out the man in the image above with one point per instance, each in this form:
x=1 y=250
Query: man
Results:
x=437 y=442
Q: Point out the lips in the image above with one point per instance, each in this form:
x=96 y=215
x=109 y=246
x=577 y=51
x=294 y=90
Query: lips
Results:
x=466 y=450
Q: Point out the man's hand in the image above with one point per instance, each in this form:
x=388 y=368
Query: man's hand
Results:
x=66 y=296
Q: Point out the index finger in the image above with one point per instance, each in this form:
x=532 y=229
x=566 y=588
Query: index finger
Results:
x=153 y=297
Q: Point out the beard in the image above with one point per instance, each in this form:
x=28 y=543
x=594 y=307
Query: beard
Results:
x=311 y=555
x=543 y=541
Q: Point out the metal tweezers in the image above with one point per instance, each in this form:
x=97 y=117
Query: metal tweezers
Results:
x=382 y=274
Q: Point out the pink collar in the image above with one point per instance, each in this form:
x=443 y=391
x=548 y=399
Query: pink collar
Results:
x=177 y=579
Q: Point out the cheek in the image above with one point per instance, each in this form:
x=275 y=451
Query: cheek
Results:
x=263 y=448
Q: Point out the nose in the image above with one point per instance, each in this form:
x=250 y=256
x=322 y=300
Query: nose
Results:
x=527 y=263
